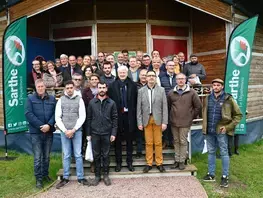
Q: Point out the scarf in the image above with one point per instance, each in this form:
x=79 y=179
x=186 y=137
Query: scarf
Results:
x=123 y=92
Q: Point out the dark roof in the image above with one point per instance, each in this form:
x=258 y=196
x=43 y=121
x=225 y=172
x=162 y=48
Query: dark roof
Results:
x=248 y=7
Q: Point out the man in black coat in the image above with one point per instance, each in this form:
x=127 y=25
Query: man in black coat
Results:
x=102 y=123
x=73 y=68
x=124 y=92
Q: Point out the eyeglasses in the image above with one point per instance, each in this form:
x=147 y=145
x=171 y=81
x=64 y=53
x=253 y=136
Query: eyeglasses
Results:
x=151 y=76
x=180 y=78
x=77 y=79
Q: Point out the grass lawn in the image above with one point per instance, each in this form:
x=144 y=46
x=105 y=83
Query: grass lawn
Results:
x=246 y=172
x=17 y=177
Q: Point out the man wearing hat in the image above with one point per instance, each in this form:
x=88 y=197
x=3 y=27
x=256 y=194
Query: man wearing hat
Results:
x=194 y=71
x=221 y=114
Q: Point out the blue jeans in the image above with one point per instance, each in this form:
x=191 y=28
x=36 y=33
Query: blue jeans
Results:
x=67 y=144
x=220 y=140
x=41 y=145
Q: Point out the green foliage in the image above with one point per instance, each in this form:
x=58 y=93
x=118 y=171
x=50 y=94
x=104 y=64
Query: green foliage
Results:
x=245 y=173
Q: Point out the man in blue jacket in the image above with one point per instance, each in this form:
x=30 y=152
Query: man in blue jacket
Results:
x=40 y=113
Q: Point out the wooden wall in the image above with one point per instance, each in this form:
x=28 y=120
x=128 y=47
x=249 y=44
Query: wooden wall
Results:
x=209 y=35
x=29 y=7
x=215 y=7
x=116 y=37
x=3 y=25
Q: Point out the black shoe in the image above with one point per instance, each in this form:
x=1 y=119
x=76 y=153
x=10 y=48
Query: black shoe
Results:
x=96 y=181
x=39 y=184
x=147 y=168
x=106 y=180
x=118 y=168
x=181 y=166
x=138 y=155
x=209 y=178
x=83 y=182
x=175 y=165
x=224 y=181
x=62 y=183
x=130 y=167
x=47 y=179
x=161 y=168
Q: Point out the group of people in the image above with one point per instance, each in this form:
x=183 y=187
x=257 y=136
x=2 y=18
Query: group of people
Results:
x=120 y=101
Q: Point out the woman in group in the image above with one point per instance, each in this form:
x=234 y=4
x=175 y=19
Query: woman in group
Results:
x=177 y=69
x=86 y=62
x=88 y=71
x=52 y=77
x=35 y=74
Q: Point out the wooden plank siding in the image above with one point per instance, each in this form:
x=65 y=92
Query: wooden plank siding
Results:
x=29 y=7
x=116 y=37
x=3 y=25
x=214 y=7
x=209 y=33
x=214 y=66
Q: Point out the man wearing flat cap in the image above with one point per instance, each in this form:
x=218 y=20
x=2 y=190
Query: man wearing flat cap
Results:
x=194 y=71
x=221 y=114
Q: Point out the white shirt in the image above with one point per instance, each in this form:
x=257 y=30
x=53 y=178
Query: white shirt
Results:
x=80 y=121
x=150 y=95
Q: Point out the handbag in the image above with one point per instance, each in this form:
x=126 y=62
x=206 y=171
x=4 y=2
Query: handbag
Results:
x=89 y=154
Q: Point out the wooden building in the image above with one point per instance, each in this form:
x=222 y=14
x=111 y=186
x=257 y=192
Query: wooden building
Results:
x=170 y=26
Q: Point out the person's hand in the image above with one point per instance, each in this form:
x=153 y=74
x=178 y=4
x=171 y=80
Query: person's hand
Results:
x=223 y=130
x=70 y=133
x=112 y=138
x=88 y=138
x=140 y=128
x=164 y=127
x=45 y=128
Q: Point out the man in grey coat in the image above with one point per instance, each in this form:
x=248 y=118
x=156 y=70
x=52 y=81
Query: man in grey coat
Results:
x=152 y=116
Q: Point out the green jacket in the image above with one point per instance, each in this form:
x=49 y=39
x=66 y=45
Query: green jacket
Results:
x=231 y=115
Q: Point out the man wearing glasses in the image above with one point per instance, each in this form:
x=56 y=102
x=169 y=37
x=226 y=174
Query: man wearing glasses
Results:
x=152 y=116
x=70 y=115
x=77 y=80
x=184 y=105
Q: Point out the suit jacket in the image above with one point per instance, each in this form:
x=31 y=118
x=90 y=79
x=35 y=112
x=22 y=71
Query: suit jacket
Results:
x=67 y=73
x=115 y=95
x=159 y=106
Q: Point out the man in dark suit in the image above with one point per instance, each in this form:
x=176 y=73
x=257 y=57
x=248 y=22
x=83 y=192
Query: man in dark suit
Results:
x=124 y=93
x=72 y=69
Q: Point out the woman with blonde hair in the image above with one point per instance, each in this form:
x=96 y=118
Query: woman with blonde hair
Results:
x=177 y=66
x=86 y=62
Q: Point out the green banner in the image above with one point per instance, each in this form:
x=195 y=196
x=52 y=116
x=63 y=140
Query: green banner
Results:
x=239 y=57
x=14 y=76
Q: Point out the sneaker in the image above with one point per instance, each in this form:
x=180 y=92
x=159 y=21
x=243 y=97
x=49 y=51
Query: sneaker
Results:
x=83 y=182
x=62 y=183
x=209 y=178
x=224 y=181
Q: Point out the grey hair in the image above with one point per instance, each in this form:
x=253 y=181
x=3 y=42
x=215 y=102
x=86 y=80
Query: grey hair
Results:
x=38 y=81
x=63 y=56
x=123 y=68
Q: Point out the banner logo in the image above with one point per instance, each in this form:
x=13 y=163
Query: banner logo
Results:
x=240 y=51
x=15 y=50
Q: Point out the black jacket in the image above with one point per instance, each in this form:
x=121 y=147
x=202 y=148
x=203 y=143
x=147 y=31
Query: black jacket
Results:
x=132 y=92
x=67 y=73
x=102 y=117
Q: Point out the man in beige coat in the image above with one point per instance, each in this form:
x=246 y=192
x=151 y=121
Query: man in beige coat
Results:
x=152 y=116
x=184 y=105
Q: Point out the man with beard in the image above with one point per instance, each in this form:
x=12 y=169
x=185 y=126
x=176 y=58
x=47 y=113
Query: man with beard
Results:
x=124 y=92
x=194 y=71
x=107 y=77
x=221 y=114
x=102 y=123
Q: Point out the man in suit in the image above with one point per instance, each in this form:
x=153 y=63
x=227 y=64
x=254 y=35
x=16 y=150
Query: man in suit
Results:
x=124 y=93
x=71 y=69
x=152 y=115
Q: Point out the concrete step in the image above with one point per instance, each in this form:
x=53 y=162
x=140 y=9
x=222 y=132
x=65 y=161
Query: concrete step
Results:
x=165 y=151
x=167 y=160
x=125 y=173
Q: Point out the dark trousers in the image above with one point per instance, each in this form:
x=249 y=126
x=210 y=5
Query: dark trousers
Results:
x=101 y=150
x=168 y=136
x=41 y=145
x=230 y=143
x=128 y=136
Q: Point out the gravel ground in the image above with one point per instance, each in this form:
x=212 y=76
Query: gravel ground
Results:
x=161 y=187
